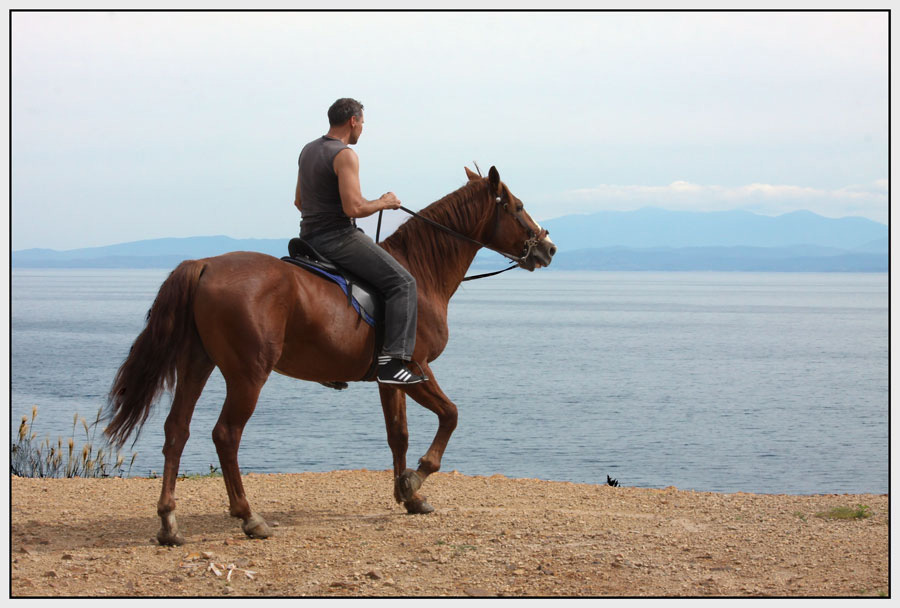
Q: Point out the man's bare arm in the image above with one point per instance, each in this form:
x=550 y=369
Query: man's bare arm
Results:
x=297 y=193
x=346 y=166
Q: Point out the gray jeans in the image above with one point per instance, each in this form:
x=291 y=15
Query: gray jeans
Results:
x=352 y=250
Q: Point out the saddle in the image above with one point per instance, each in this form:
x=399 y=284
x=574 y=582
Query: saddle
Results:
x=364 y=298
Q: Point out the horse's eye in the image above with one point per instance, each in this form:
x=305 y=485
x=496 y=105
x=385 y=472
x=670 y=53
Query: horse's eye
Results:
x=520 y=207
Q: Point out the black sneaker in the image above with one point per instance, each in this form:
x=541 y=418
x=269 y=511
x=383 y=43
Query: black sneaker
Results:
x=394 y=372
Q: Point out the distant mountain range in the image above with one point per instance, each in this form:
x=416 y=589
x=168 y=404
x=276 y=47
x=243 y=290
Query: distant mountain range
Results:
x=751 y=259
x=651 y=227
x=153 y=253
x=646 y=239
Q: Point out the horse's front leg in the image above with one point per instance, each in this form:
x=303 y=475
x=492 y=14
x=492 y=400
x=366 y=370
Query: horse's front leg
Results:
x=393 y=404
x=430 y=395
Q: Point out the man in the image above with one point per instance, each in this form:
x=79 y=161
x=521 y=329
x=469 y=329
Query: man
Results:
x=329 y=199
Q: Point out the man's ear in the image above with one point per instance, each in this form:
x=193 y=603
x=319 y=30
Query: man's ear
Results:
x=494 y=179
x=471 y=174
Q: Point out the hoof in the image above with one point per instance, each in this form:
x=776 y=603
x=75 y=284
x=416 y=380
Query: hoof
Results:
x=168 y=533
x=407 y=484
x=418 y=506
x=166 y=538
x=338 y=386
x=256 y=527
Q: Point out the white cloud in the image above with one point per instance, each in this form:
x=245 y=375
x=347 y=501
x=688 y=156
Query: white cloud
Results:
x=864 y=200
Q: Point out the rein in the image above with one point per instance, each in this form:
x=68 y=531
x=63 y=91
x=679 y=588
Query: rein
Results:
x=530 y=244
x=512 y=266
x=514 y=263
x=514 y=260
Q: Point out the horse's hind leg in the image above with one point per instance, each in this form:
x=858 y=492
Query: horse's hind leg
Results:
x=192 y=376
x=240 y=401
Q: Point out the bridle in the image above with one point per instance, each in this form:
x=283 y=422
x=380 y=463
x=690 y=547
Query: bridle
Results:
x=530 y=243
x=528 y=247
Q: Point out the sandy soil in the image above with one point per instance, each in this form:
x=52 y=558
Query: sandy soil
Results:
x=340 y=534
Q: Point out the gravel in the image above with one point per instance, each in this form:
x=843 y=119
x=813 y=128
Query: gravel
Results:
x=341 y=534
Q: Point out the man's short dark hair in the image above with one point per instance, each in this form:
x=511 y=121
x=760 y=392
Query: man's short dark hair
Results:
x=341 y=111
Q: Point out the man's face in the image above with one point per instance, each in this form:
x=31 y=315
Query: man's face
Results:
x=356 y=127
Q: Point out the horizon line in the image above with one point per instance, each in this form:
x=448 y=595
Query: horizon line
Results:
x=583 y=214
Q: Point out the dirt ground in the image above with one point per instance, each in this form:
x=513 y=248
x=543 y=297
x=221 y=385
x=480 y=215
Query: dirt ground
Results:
x=341 y=534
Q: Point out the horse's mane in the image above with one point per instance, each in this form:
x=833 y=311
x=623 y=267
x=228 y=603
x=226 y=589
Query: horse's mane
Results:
x=428 y=249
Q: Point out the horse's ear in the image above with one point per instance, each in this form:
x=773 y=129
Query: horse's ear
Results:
x=471 y=174
x=494 y=179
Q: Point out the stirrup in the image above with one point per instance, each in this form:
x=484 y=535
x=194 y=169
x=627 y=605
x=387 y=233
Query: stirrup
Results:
x=395 y=372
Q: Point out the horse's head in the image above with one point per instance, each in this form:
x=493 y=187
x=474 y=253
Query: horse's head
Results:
x=514 y=232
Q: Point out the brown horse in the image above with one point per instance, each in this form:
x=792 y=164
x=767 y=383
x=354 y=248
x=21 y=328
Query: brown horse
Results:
x=249 y=314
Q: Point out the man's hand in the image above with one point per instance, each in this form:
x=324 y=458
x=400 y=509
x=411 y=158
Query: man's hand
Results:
x=389 y=200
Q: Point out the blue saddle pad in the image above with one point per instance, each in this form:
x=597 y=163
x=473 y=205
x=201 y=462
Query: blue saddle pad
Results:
x=354 y=291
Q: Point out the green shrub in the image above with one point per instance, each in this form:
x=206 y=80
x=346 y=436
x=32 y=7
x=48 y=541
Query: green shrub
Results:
x=860 y=512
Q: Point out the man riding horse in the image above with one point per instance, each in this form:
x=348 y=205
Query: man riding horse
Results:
x=248 y=314
x=329 y=199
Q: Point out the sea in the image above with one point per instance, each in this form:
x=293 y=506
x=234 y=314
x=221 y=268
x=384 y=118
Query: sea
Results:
x=773 y=383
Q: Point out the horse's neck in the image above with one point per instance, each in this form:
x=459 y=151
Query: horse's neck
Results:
x=448 y=256
x=454 y=257
x=455 y=269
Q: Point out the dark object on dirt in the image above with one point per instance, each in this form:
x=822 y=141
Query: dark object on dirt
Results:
x=612 y=482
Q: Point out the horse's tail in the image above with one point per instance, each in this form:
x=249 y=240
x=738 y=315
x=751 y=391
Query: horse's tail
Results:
x=150 y=366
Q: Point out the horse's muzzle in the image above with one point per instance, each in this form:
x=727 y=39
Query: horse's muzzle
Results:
x=540 y=255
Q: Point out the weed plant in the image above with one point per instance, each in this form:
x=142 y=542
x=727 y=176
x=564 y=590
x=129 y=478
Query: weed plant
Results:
x=29 y=458
x=860 y=512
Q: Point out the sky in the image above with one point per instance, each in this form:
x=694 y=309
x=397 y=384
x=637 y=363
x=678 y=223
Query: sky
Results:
x=138 y=125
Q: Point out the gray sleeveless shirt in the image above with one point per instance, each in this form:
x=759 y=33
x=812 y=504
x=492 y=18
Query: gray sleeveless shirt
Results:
x=320 y=198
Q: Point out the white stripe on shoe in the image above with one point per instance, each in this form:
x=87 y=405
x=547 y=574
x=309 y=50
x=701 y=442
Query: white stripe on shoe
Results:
x=400 y=376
